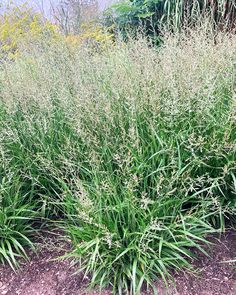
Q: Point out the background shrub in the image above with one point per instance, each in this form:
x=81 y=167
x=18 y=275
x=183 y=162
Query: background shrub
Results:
x=19 y=23
x=150 y=16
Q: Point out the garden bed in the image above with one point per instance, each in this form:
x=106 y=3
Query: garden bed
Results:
x=44 y=275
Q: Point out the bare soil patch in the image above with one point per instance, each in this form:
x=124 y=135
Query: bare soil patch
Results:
x=43 y=275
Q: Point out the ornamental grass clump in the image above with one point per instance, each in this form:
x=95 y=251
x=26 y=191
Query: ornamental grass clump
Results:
x=133 y=147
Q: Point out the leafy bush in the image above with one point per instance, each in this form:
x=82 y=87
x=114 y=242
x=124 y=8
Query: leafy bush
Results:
x=150 y=16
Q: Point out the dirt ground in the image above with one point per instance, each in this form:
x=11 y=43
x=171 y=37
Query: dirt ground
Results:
x=44 y=275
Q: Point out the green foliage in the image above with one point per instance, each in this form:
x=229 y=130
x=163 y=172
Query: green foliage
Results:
x=36 y=146
x=16 y=216
x=158 y=179
x=149 y=16
x=134 y=148
x=17 y=213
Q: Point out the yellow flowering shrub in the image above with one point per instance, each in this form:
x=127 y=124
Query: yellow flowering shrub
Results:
x=19 y=23
x=91 y=34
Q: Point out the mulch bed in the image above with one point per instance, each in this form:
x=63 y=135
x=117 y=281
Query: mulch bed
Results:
x=44 y=275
